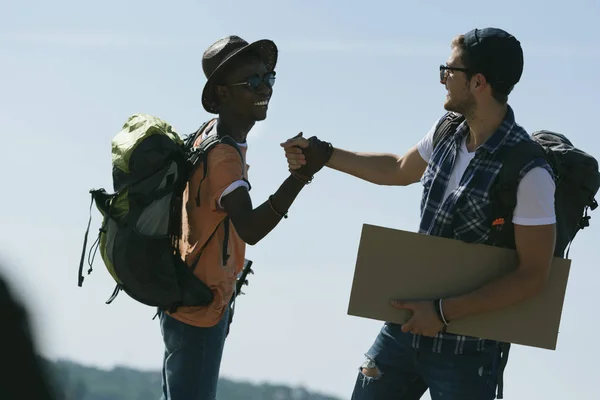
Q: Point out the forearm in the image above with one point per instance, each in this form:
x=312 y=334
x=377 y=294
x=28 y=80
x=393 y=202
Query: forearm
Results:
x=510 y=289
x=378 y=168
x=255 y=224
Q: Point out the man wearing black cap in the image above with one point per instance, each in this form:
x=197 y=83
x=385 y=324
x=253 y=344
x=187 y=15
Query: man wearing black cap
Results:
x=456 y=162
x=218 y=218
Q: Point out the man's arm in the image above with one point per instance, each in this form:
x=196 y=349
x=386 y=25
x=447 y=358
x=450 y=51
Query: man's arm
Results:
x=535 y=249
x=534 y=227
x=378 y=168
x=534 y=223
x=254 y=224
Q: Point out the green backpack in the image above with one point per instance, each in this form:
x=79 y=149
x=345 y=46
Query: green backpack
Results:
x=141 y=226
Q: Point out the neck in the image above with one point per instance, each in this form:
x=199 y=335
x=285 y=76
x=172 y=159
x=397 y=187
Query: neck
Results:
x=483 y=121
x=230 y=125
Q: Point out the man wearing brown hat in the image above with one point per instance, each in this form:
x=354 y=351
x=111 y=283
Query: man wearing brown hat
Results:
x=218 y=218
x=457 y=162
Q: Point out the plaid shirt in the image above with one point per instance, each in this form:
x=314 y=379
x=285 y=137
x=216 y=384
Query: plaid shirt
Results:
x=465 y=214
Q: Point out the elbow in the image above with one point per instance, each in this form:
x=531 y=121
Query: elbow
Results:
x=248 y=238
x=243 y=228
x=536 y=282
x=537 y=286
x=389 y=180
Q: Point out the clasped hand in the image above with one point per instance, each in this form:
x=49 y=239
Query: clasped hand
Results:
x=306 y=156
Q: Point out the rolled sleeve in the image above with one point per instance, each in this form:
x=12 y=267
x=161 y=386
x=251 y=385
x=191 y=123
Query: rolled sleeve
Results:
x=226 y=173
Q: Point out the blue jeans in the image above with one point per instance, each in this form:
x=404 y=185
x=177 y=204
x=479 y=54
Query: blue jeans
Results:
x=405 y=373
x=192 y=359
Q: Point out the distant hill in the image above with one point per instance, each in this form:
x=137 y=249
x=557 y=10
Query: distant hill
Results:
x=77 y=382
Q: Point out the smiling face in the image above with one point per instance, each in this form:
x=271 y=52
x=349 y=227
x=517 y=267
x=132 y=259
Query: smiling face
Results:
x=246 y=90
x=459 y=98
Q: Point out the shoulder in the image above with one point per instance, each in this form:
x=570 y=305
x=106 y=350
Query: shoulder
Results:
x=524 y=151
x=537 y=186
x=223 y=164
x=538 y=177
x=537 y=158
x=535 y=198
x=227 y=151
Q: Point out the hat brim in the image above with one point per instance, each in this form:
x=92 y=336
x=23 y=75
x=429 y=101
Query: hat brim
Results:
x=265 y=49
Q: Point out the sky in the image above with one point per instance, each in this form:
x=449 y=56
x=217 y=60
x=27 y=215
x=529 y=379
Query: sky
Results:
x=363 y=75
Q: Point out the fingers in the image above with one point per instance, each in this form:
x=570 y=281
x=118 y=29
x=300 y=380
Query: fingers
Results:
x=412 y=327
x=295 y=159
x=408 y=326
x=293 y=151
x=300 y=142
x=396 y=303
x=402 y=305
x=297 y=140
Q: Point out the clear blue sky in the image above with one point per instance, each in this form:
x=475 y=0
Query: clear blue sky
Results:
x=363 y=75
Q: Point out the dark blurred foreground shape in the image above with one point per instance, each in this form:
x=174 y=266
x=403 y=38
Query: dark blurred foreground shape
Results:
x=23 y=375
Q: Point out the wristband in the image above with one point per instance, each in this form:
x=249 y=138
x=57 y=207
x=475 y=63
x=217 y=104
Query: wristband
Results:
x=302 y=178
x=274 y=210
x=439 y=311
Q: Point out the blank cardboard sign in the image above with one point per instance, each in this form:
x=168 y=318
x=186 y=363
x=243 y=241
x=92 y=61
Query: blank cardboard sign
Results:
x=395 y=264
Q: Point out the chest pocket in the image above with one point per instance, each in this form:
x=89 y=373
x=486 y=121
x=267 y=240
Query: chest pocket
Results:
x=472 y=219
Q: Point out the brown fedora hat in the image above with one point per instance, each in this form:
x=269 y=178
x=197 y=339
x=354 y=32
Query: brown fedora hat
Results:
x=221 y=53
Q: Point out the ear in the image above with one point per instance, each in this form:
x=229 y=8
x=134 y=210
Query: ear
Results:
x=478 y=82
x=481 y=81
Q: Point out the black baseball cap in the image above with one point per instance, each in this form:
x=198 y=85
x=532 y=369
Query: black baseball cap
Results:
x=497 y=55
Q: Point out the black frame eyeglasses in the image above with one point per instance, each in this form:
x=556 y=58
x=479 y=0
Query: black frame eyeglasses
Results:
x=444 y=71
x=253 y=82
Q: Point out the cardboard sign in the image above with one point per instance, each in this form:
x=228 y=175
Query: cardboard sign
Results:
x=395 y=264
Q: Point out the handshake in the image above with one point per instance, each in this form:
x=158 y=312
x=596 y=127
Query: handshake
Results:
x=306 y=157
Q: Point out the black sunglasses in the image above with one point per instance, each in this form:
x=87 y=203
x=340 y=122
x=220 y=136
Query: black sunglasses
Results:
x=253 y=82
x=444 y=71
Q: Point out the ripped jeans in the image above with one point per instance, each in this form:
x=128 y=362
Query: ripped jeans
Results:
x=401 y=372
x=192 y=359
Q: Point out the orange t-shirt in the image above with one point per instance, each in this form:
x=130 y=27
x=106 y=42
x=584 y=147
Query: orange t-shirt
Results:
x=226 y=172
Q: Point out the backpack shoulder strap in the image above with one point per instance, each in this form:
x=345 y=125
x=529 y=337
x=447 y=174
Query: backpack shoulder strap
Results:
x=231 y=142
x=447 y=127
x=190 y=139
x=212 y=141
x=201 y=156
